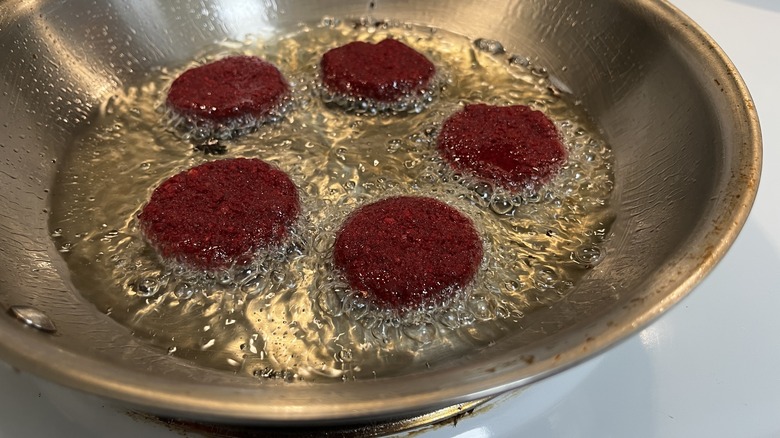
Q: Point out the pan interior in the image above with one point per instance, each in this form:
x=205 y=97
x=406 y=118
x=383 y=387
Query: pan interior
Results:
x=288 y=315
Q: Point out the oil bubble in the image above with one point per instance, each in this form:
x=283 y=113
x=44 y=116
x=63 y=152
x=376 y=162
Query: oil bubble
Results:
x=501 y=205
x=422 y=333
x=146 y=287
x=490 y=46
x=588 y=255
x=184 y=291
x=546 y=278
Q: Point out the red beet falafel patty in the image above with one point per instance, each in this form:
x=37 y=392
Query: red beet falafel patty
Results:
x=512 y=146
x=406 y=252
x=384 y=72
x=220 y=213
x=227 y=89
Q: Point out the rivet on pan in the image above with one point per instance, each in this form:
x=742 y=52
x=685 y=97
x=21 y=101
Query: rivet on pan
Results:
x=33 y=318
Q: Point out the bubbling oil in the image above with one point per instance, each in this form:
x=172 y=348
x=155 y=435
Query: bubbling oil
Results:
x=289 y=315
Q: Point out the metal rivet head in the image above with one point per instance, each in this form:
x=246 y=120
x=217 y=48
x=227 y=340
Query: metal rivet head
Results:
x=33 y=318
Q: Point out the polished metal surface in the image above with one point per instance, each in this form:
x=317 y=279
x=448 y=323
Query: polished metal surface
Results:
x=34 y=318
x=683 y=128
x=444 y=417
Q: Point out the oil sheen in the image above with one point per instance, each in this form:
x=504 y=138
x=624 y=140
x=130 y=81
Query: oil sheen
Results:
x=288 y=315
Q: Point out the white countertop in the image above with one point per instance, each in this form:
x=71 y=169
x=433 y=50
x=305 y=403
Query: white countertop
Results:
x=710 y=367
